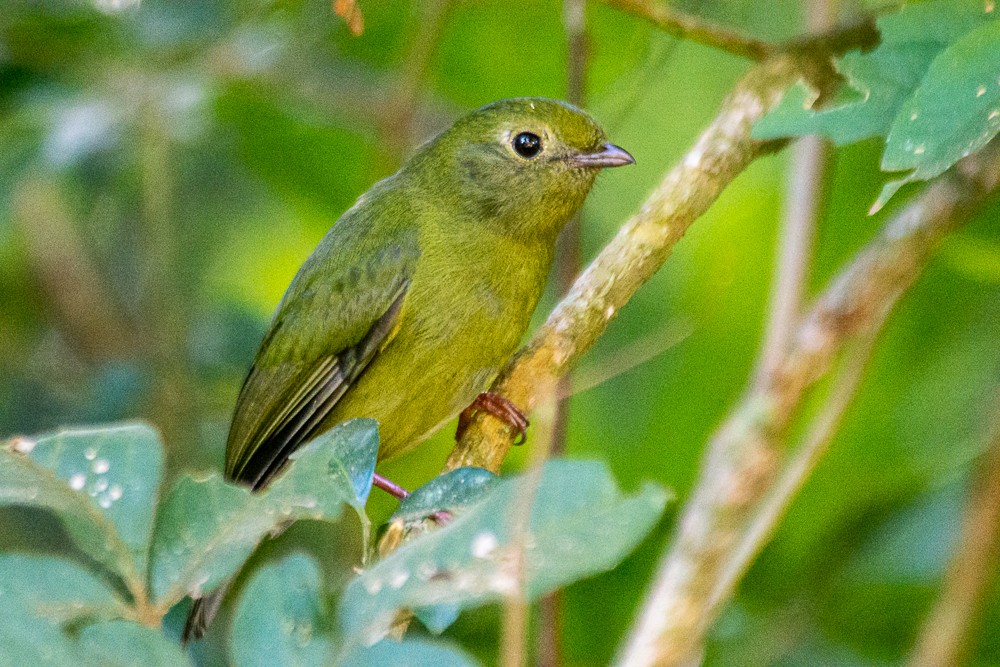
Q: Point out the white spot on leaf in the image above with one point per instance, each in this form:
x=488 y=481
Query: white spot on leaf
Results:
x=101 y=466
x=77 y=481
x=484 y=544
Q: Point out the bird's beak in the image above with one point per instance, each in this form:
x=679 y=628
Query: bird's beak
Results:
x=609 y=156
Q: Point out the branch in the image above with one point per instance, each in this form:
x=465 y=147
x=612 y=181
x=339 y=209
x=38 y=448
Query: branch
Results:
x=696 y=29
x=861 y=35
x=775 y=504
x=639 y=249
x=952 y=623
x=745 y=452
x=75 y=292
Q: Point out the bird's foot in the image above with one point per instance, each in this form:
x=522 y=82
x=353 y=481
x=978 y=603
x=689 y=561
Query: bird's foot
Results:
x=499 y=407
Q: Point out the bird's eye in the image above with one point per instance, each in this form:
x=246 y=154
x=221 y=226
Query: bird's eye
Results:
x=527 y=144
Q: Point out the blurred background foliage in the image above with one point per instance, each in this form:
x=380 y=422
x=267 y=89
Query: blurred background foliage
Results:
x=166 y=166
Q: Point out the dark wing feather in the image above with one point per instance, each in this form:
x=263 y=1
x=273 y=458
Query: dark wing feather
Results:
x=296 y=420
x=342 y=308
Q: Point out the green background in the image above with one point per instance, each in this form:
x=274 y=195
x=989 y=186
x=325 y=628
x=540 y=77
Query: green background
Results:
x=193 y=153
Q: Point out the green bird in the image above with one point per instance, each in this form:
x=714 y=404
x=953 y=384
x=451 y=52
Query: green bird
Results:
x=420 y=292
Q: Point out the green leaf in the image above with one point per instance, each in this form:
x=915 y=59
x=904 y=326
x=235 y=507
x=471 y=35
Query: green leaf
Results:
x=408 y=653
x=579 y=524
x=954 y=112
x=454 y=491
x=920 y=88
x=124 y=644
x=39 y=595
x=282 y=618
x=25 y=482
x=118 y=468
x=206 y=529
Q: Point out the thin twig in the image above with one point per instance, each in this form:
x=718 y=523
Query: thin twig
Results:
x=806 y=171
x=744 y=454
x=806 y=178
x=639 y=249
x=952 y=624
x=696 y=29
x=795 y=473
x=401 y=110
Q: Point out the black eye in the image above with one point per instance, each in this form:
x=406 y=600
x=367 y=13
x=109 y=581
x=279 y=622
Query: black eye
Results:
x=527 y=144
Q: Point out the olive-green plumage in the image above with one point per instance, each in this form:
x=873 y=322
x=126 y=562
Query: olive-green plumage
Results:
x=413 y=300
x=410 y=304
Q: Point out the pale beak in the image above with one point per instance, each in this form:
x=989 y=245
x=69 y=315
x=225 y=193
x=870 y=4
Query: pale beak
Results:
x=609 y=156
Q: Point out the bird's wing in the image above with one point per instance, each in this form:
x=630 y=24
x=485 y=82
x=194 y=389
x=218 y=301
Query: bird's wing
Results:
x=339 y=312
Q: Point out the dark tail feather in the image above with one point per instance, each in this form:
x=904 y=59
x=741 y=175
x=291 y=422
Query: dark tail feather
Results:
x=202 y=613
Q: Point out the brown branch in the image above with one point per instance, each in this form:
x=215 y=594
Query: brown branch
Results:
x=639 y=249
x=696 y=29
x=860 y=35
x=775 y=504
x=744 y=454
x=75 y=292
x=403 y=105
x=806 y=178
x=953 y=622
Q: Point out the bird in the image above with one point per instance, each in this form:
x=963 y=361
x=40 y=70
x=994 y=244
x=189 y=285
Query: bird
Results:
x=416 y=296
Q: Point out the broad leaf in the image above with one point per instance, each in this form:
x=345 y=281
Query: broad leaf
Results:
x=930 y=88
x=25 y=482
x=282 y=618
x=118 y=468
x=954 y=112
x=39 y=597
x=454 y=491
x=206 y=529
x=125 y=644
x=408 y=653
x=579 y=524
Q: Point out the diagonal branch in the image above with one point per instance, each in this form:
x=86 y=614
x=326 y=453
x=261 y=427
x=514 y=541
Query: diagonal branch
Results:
x=745 y=453
x=639 y=249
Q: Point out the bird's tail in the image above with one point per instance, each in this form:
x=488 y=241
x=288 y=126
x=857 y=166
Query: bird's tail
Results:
x=202 y=613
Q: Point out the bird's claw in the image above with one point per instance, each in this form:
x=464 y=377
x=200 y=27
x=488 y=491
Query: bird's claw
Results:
x=499 y=407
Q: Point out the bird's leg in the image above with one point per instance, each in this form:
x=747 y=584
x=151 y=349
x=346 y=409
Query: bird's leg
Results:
x=499 y=407
x=399 y=493
x=390 y=487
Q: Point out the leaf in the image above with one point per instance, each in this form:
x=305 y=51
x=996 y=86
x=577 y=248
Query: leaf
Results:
x=954 y=112
x=25 y=482
x=580 y=524
x=38 y=596
x=206 y=529
x=454 y=490
x=408 y=653
x=124 y=644
x=118 y=468
x=282 y=618
x=919 y=88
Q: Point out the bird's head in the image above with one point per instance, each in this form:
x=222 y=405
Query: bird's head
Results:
x=525 y=163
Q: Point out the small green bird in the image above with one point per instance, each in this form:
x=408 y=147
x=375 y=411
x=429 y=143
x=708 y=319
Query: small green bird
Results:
x=420 y=292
